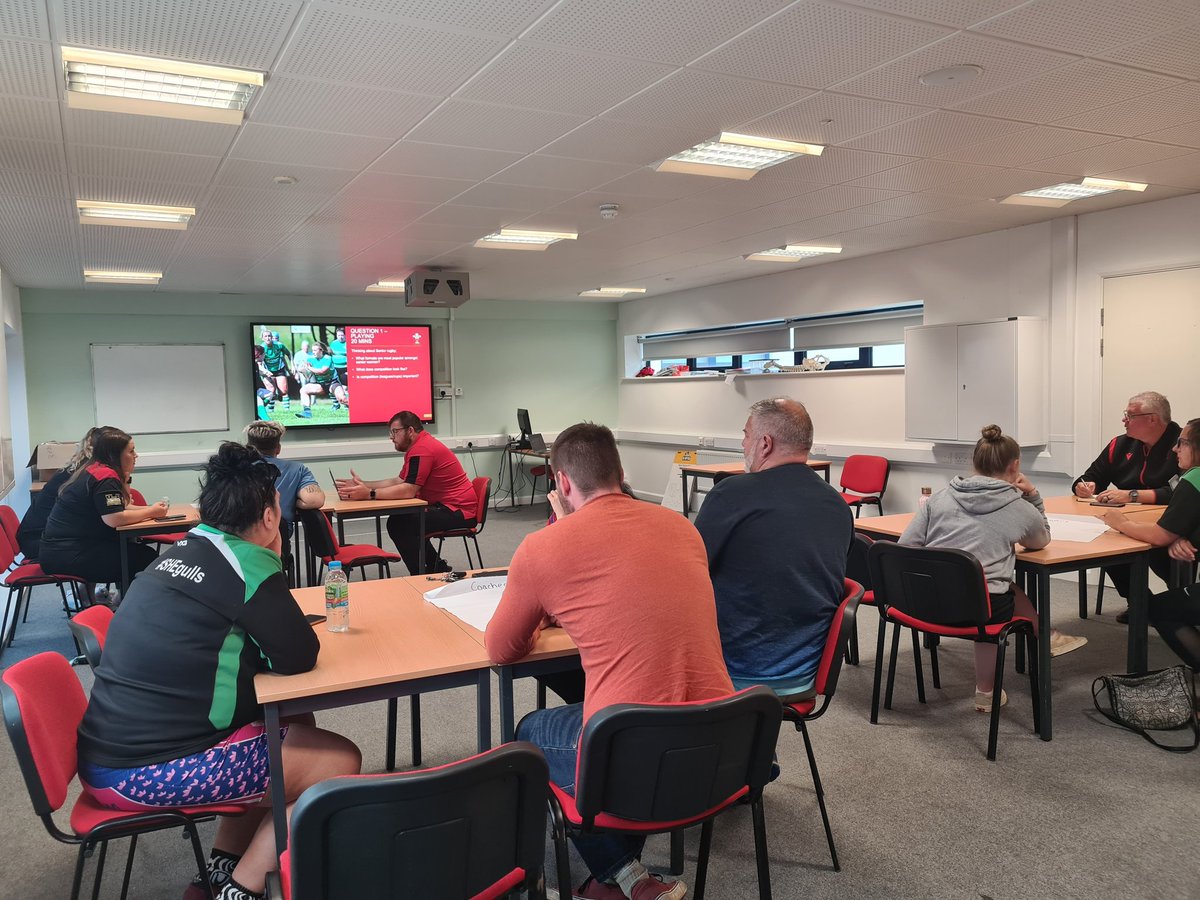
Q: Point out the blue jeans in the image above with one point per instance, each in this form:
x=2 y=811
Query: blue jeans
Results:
x=556 y=731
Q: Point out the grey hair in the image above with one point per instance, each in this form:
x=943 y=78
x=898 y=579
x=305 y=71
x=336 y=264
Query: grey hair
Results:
x=1154 y=402
x=786 y=421
x=264 y=435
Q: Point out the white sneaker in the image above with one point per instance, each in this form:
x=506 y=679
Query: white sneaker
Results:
x=1065 y=643
x=983 y=700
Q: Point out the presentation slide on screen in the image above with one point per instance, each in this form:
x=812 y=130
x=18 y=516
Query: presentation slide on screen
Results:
x=342 y=375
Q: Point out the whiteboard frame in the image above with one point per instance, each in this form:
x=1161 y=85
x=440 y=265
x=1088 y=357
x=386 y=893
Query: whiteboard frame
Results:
x=166 y=427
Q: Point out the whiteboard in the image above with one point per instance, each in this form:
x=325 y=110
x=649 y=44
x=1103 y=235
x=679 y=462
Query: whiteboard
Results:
x=160 y=388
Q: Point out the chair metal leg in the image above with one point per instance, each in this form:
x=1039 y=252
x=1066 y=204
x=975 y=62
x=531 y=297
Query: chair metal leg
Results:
x=919 y=668
x=1033 y=682
x=760 y=850
x=878 y=670
x=933 y=663
x=1099 y=592
x=562 y=860
x=677 y=852
x=852 y=646
x=706 y=831
x=99 y=870
x=478 y=554
x=541 y=695
x=997 y=695
x=77 y=880
x=128 y=866
x=891 y=683
x=390 y=746
x=812 y=765
x=415 y=715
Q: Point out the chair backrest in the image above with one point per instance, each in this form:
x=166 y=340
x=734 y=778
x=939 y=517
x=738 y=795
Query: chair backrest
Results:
x=137 y=497
x=470 y=828
x=671 y=762
x=840 y=629
x=43 y=705
x=938 y=585
x=10 y=524
x=857 y=567
x=483 y=499
x=867 y=475
x=90 y=627
x=318 y=533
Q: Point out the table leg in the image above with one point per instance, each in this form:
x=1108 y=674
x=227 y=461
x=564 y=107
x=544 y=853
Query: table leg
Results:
x=414 y=713
x=379 y=531
x=508 y=726
x=827 y=468
x=341 y=530
x=483 y=709
x=512 y=479
x=1139 y=597
x=390 y=752
x=124 y=564
x=1041 y=581
x=686 y=507
x=421 y=542
x=277 y=789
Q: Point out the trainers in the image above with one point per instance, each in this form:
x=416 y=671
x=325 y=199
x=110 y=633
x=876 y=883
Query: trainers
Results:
x=654 y=888
x=307 y=414
x=1065 y=643
x=983 y=700
x=1123 y=617
x=597 y=890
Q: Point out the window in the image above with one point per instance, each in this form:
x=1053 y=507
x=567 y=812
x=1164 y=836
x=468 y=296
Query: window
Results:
x=713 y=363
x=887 y=355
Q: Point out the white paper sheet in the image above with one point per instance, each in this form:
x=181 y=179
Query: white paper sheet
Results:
x=1081 y=529
x=474 y=600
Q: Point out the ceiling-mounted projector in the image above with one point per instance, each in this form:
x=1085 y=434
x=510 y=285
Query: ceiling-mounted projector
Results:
x=425 y=287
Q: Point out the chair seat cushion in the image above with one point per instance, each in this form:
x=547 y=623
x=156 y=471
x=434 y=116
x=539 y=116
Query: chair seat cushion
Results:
x=30 y=574
x=352 y=555
x=171 y=538
x=88 y=815
x=855 y=499
x=800 y=709
x=604 y=820
x=968 y=631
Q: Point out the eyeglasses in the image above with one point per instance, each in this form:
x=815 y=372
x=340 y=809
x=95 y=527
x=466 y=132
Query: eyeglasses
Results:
x=1127 y=415
x=395 y=431
x=1179 y=443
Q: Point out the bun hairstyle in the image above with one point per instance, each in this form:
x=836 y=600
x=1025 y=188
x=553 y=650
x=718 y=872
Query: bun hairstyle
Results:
x=236 y=485
x=994 y=452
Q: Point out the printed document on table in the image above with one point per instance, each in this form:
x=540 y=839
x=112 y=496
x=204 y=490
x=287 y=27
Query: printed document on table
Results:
x=474 y=600
x=1082 y=529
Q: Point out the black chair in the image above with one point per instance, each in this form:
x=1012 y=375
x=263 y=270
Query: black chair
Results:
x=943 y=592
x=651 y=769
x=475 y=828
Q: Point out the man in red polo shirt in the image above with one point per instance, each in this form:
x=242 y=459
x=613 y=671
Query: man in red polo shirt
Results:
x=431 y=472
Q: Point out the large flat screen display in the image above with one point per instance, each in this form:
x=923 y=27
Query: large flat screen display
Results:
x=318 y=374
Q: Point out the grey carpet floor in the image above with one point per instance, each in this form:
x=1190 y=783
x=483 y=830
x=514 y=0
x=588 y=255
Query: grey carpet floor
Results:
x=917 y=810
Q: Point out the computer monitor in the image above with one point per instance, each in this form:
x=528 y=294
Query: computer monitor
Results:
x=526 y=430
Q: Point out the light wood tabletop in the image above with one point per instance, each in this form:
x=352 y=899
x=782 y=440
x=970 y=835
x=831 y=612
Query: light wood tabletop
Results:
x=341 y=507
x=733 y=467
x=126 y=533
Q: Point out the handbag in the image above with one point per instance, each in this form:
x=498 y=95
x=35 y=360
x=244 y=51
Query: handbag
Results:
x=1164 y=700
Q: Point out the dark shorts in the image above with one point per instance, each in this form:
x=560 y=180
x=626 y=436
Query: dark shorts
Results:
x=233 y=770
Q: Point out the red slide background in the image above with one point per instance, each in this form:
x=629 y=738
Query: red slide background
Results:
x=389 y=370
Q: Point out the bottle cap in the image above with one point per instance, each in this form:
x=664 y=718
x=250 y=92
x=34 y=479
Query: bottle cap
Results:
x=335 y=565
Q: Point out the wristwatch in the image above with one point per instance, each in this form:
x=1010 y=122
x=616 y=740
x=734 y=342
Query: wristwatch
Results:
x=372 y=493
x=1133 y=496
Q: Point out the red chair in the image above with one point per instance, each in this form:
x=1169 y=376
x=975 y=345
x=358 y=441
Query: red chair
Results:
x=21 y=577
x=158 y=540
x=90 y=629
x=483 y=499
x=323 y=544
x=43 y=705
x=863 y=481
x=803 y=711
x=655 y=768
x=935 y=591
x=475 y=828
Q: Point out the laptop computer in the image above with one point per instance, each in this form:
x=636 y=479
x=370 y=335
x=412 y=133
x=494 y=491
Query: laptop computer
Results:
x=537 y=443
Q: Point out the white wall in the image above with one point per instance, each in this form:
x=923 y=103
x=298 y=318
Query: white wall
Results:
x=14 y=426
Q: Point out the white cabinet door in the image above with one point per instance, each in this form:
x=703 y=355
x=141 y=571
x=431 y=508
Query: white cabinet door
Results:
x=931 y=383
x=987 y=378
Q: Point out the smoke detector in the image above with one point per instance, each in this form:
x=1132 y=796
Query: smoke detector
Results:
x=609 y=210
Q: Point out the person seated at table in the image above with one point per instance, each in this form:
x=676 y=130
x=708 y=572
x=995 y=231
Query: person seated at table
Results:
x=29 y=533
x=986 y=514
x=81 y=537
x=777 y=540
x=1136 y=467
x=1175 y=613
x=638 y=604
x=297 y=486
x=430 y=472
x=173 y=720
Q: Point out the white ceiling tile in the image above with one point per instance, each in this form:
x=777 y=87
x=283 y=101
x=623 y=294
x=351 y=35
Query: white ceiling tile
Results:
x=670 y=31
x=1175 y=53
x=1143 y=114
x=29 y=119
x=924 y=175
x=464 y=123
x=413 y=188
x=583 y=210
x=511 y=196
x=137 y=190
x=386 y=215
x=478 y=15
x=1002 y=62
x=247 y=245
x=834 y=166
x=484 y=220
x=1087 y=27
x=935 y=134
x=955 y=13
x=828 y=118
x=115 y=162
x=1187 y=135
x=341 y=46
x=609 y=140
x=1000 y=183
x=253 y=174
x=1075 y=88
x=817 y=44
x=583 y=84
x=645 y=182
x=458 y=234
x=31 y=156
x=736 y=196
x=27 y=69
x=1007 y=215
x=1022 y=147
x=391 y=255
x=223 y=32
x=325 y=243
x=914 y=205
x=271 y=210
x=341 y=108
x=441 y=161
x=106 y=129
x=1117 y=155
x=15 y=183
x=137 y=249
x=301 y=147
x=24 y=19
x=693 y=98
x=561 y=172
x=1181 y=171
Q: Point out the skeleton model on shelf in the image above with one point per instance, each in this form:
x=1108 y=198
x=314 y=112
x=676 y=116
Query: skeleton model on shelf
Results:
x=810 y=364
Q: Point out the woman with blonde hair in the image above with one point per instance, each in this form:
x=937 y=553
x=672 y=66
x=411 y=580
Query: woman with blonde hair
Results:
x=29 y=534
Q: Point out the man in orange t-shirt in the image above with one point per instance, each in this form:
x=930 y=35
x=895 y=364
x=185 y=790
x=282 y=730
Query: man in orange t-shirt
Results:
x=629 y=583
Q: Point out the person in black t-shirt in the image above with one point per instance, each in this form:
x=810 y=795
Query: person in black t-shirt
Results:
x=29 y=534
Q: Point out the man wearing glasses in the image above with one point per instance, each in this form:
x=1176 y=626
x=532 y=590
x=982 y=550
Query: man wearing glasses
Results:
x=1138 y=466
x=431 y=472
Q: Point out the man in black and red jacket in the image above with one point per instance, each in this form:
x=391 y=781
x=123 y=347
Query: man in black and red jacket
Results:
x=1138 y=466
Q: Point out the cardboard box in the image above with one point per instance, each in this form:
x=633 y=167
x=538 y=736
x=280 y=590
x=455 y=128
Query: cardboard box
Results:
x=50 y=456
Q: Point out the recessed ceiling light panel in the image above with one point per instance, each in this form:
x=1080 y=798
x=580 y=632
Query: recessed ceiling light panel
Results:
x=738 y=156
x=134 y=215
x=524 y=239
x=386 y=286
x=105 y=276
x=611 y=292
x=1062 y=194
x=792 y=252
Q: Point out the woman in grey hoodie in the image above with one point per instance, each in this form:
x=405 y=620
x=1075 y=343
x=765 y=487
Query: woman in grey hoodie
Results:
x=986 y=514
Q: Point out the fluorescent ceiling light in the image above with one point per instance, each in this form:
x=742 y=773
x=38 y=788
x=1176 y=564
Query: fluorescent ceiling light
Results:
x=134 y=215
x=103 y=276
x=1061 y=194
x=792 y=252
x=146 y=86
x=386 y=286
x=611 y=292
x=524 y=239
x=739 y=156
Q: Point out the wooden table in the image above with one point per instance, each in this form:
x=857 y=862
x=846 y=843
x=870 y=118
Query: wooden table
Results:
x=126 y=533
x=398 y=645
x=1036 y=567
x=345 y=510
x=733 y=467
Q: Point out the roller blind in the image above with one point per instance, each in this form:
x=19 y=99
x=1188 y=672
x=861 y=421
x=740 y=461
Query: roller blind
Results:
x=863 y=328
x=749 y=337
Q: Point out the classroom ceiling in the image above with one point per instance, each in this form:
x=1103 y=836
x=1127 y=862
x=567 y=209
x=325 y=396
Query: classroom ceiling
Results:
x=414 y=127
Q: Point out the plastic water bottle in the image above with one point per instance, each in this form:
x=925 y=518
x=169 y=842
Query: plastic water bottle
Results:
x=337 y=599
x=926 y=493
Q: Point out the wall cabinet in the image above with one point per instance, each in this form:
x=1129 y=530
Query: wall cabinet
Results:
x=960 y=377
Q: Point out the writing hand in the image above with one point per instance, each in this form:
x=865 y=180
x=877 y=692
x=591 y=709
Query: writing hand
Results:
x=1182 y=550
x=1085 y=489
x=1114 y=519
